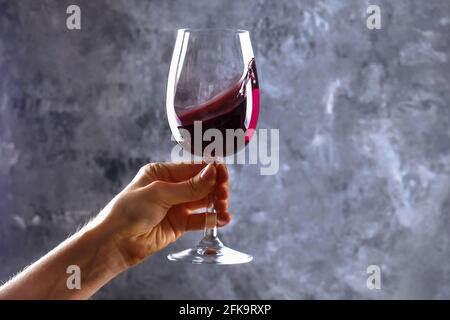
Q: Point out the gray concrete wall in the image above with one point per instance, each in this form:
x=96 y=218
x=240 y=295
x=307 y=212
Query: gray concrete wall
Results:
x=364 y=151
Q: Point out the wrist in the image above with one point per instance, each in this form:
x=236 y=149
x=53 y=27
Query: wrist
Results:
x=109 y=258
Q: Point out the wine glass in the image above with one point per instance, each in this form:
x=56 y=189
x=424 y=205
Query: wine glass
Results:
x=212 y=99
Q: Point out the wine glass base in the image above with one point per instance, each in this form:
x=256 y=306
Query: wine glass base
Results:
x=215 y=253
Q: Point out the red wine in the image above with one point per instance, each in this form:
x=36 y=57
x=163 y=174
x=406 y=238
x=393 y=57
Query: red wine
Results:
x=231 y=109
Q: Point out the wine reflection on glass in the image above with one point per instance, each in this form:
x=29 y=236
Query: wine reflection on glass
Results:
x=212 y=85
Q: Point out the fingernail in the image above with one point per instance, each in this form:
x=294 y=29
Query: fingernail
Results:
x=207 y=173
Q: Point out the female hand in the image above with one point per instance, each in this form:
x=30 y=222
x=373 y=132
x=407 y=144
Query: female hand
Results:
x=155 y=209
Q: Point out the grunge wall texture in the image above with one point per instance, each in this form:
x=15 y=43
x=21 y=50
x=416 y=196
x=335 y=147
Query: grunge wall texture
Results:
x=364 y=143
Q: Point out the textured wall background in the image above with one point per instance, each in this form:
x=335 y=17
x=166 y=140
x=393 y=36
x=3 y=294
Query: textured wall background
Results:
x=365 y=146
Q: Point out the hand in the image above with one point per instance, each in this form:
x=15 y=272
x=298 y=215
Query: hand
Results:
x=155 y=209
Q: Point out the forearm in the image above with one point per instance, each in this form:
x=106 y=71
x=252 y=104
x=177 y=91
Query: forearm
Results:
x=90 y=249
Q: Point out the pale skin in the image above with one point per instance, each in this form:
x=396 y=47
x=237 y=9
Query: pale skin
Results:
x=153 y=211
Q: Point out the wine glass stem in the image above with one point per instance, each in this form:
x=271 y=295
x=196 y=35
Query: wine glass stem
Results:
x=211 y=215
x=211 y=218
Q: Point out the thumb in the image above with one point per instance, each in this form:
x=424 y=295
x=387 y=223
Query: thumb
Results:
x=193 y=189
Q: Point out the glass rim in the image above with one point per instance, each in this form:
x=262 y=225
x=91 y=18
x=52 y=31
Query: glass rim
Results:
x=212 y=30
